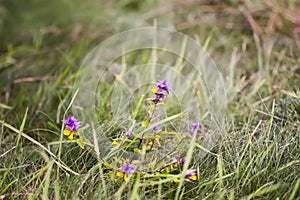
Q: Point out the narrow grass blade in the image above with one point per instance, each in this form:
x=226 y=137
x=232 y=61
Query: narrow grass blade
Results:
x=263 y=190
x=5 y=106
x=8 y=186
x=220 y=171
x=56 y=190
x=287 y=92
x=295 y=190
x=135 y=188
x=45 y=195
x=2 y=155
x=136 y=111
x=163 y=121
x=22 y=127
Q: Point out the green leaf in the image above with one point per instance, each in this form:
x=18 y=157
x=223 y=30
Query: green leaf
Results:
x=80 y=143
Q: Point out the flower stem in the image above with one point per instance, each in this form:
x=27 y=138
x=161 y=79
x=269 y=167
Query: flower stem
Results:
x=149 y=120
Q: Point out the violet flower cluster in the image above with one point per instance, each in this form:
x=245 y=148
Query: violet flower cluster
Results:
x=160 y=91
x=195 y=127
x=126 y=168
x=72 y=123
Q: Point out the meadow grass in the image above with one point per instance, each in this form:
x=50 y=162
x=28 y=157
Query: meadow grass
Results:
x=255 y=46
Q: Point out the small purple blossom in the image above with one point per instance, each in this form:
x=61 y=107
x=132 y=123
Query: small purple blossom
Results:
x=182 y=161
x=162 y=85
x=195 y=127
x=160 y=91
x=126 y=168
x=128 y=134
x=160 y=95
x=71 y=123
x=190 y=175
x=155 y=128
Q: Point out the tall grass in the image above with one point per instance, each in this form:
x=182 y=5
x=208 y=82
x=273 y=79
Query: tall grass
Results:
x=257 y=158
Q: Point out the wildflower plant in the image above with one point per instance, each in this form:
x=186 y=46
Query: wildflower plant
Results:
x=154 y=135
x=72 y=126
x=125 y=171
x=137 y=149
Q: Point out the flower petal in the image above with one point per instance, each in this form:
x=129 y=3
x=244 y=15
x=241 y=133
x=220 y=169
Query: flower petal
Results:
x=119 y=174
x=176 y=180
x=71 y=136
x=194 y=177
x=67 y=132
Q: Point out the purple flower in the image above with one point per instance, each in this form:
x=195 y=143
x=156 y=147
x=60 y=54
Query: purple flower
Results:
x=128 y=134
x=162 y=85
x=160 y=91
x=160 y=95
x=155 y=128
x=182 y=161
x=190 y=175
x=195 y=127
x=176 y=159
x=126 y=168
x=71 y=123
